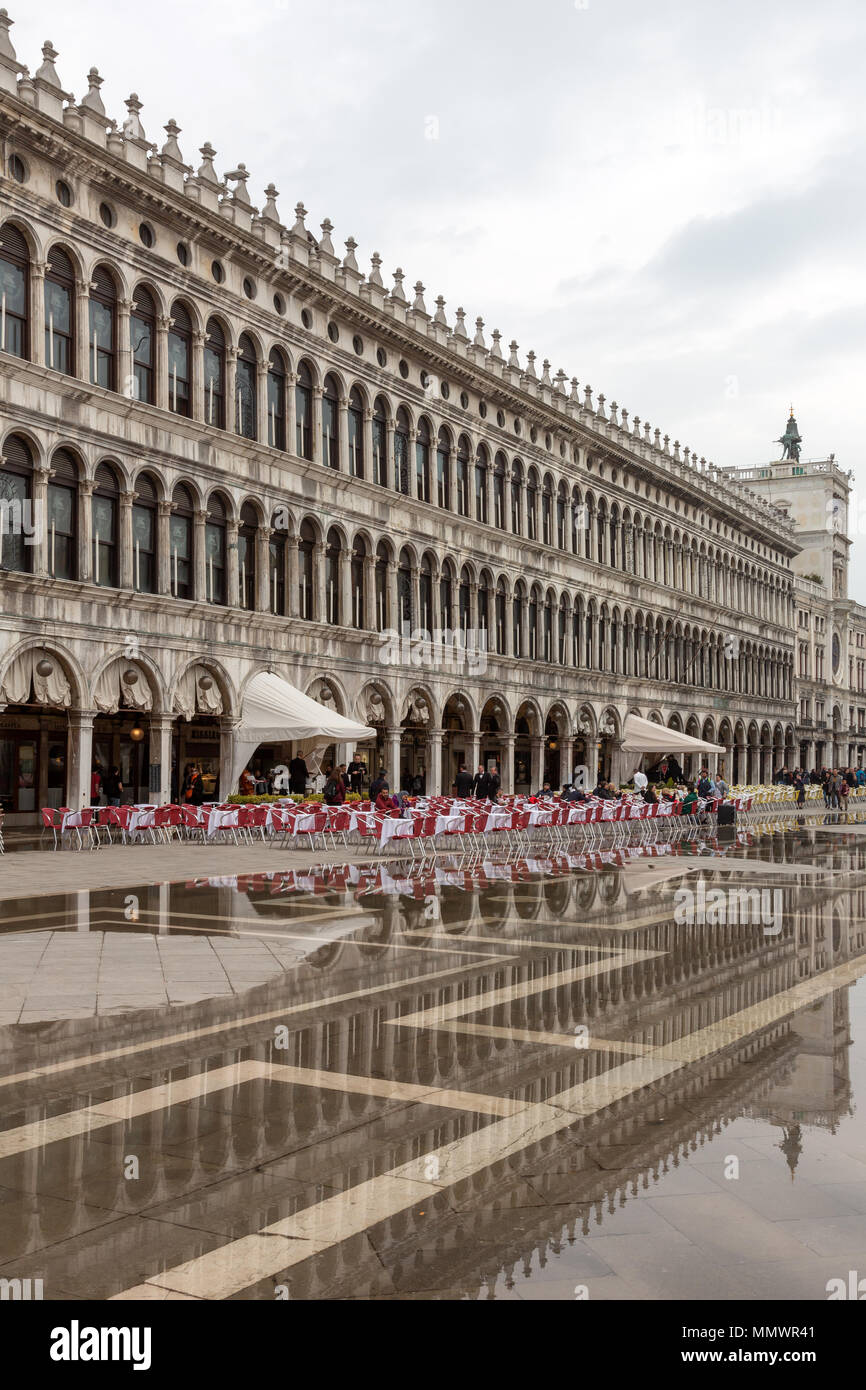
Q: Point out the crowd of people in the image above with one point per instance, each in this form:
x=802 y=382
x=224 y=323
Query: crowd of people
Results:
x=836 y=786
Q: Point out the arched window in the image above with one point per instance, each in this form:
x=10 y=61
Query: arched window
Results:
x=401 y=452
x=246 y=422
x=548 y=627
x=561 y=514
x=587 y=527
x=104 y=508
x=481 y=484
x=102 y=337
x=501 y=617
x=576 y=510
x=249 y=525
x=142 y=338
x=181 y=543
x=60 y=312
x=517 y=619
x=215 y=550
x=333 y=553
x=499 y=492
x=443 y=470
x=276 y=400
x=306 y=558
x=601 y=518
x=277 y=566
x=359 y=563
x=463 y=475
x=16 y=492
x=446 y=598
x=215 y=376
x=380 y=443
x=356 y=433
x=144 y=536
x=532 y=505
x=533 y=626
x=464 y=600
x=304 y=413
x=331 y=424
x=516 y=497
x=547 y=511
x=613 y=555
x=483 y=642
x=404 y=589
x=562 y=632
x=15 y=291
x=425 y=594
x=383 y=558
x=180 y=361
x=62 y=520
x=422 y=461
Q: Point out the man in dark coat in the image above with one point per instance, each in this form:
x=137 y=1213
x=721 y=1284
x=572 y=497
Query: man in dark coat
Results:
x=298 y=776
x=465 y=782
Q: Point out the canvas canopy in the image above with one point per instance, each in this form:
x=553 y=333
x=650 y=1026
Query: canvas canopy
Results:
x=275 y=712
x=643 y=736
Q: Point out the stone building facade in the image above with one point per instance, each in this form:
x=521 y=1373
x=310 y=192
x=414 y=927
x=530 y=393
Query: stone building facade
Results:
x=227 y=450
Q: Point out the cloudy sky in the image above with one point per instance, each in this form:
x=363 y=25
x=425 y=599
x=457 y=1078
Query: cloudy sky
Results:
x=665 y=199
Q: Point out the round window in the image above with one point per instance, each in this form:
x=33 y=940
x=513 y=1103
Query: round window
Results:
x=183 y=253
x=279 y=304
x=106 y=213
x=217 y=271
x=500 y=419
x=464 y=400
x=837 y=653
x=382 y=357
x=64 y=193
x=146 y=234
x=333 y=332
x=306 y=318
x=249 y=287
x=358 y=345
x=446 y=390
x=404 y=369
x=17 y=168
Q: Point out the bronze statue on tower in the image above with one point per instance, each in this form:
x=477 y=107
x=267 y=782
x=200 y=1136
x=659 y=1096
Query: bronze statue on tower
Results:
x=791 y=440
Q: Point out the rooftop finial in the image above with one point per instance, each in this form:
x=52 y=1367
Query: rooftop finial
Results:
x=350 y=263
x=439 y=316
x=419 y=307
x=460 y=330
x=93 y=101
x=375 y=276
x=398 y=292
x=132 y=127
x=207 y=172
x=269 y=211
x=326 y=245
x=513 y=360
x=478 y=340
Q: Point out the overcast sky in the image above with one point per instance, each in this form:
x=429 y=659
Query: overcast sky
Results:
x=665 y=199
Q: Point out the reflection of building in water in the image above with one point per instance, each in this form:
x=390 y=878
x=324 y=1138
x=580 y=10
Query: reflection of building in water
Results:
x=322 y=1140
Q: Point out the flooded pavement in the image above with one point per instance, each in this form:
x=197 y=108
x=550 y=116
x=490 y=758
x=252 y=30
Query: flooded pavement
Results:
x=621 y=1077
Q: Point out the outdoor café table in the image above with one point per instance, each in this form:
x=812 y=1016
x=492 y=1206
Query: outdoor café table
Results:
x=449 y=825
x=499 y=820
x=71 y=821
x=396 y=830
x=222 y=819
x=141 y=818
x=538 y=816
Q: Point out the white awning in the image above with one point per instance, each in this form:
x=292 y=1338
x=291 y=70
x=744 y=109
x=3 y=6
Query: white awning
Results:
x=643 y=736
x=276 y=712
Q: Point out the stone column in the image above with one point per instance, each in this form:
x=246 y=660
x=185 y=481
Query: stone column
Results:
x=416 y=597
x=616 y=761
x=125 y=381
x=85 y=530
x=263 y=569
x=344 y=573
x=473 y=750
x=198 y=557
x=160 y=753
x=434 y=761
x=163 y=548
x=291 y=414
x=536 y=775
x=227 y=743
x=262 y=429
x=392 y=618
x=320 y=607
x=127 y=558
x=293 y=607
x=345 y=463
x=390 y=463
x=37 y=315
x=234 y=598
x=392 y=757
x=79 y=757
x=232 y=419
x=369 y=617
x=506 y=770
x=161 y=393
x=81 y=365
x=41 y=551
x=197 y=370
x=318 y=456
x=367 y=461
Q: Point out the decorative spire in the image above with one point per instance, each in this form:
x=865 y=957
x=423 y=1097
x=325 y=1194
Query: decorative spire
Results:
x=513 y=360
x=439 y=316
x=207 y=172
x=171 y=149
x=575 y=394
x=587 y=399
x=239 y=178
x=496 y=350
x=269 y=211
x=613 y=410
x=132 y=127
x=600 y=408
x=349 y=262
x=460 y=330
x=299 y=228
x=326 y=245
x=93 y=101
x=398 y=292
x=478 y=340
x=545 y=374
x=561 y=379
x=375 y=276
x=530 y=366
x=419 y=307
x=657 y=436
x=677 y=451
x=47 y=72
x=6 y=49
